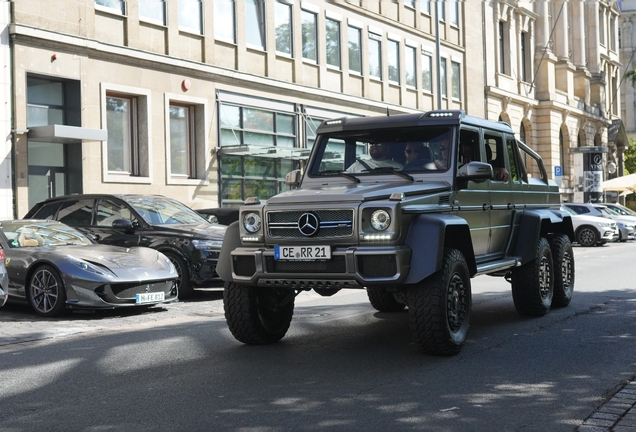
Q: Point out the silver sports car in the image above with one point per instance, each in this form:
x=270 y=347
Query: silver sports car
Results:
x=4 y=281
x=53 y=267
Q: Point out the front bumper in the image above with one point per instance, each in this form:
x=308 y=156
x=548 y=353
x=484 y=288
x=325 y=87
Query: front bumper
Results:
x=349 y=267
x=110 y=296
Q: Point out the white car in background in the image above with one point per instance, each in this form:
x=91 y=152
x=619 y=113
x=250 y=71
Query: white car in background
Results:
x=592 y=230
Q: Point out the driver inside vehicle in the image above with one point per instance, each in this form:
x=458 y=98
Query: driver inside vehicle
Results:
x=380 y=157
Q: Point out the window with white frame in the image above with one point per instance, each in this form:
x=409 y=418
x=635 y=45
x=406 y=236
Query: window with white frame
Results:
x=427 y=76
x=117 y=6
x=601 y=25
x=425 y=6
x=191 y=16
x=153 y=11
x=612 y=34
x=224 y=20
x=409 y=66
x=523 y=56
x=456 y=80
x=354 y=35
x=409 y=3
x=127 y=151
x=441 y=8
x=332 y=45
x=182 y=140
x=309 y=30
x=453 y=12
x=283 y=27
x=393 y=54
x=375 y=55
x=503 y=47
x=255 y=23
x=442 y=76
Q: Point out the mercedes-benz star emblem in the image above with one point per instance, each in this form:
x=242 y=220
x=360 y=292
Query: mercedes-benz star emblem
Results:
x=308 y=224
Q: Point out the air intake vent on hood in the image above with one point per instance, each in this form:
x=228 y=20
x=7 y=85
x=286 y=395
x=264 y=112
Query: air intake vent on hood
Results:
x=444 y=200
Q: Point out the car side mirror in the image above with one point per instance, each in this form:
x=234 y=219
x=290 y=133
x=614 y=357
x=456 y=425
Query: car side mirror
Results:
x=292 y=179
x=123 y=223
x=475 y=171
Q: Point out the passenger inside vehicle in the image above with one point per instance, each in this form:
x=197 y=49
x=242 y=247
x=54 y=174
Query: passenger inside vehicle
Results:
x=418 y=156
x=380 y=157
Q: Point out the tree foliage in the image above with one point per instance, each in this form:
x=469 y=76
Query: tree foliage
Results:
x=630 y=157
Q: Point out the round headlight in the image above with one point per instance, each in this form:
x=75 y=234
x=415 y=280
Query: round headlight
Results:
x=380 y=220
x=252 y=222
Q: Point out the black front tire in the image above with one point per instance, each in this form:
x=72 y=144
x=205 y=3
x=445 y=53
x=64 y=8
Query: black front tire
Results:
x=184 y=285
x=563 y=261
x=384 y=301
x=440 y=307
x=46 y=292
x=533 y=282
x=258 y=315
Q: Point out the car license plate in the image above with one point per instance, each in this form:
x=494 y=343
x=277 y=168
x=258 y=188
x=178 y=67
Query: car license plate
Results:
x=302 y=253
x=149 y=297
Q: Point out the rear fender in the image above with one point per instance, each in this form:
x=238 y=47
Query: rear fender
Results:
x=534 y=224
x=428 y=235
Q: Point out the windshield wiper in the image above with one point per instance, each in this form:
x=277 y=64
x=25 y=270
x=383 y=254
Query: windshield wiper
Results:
x=392 y=170
x=341 y=173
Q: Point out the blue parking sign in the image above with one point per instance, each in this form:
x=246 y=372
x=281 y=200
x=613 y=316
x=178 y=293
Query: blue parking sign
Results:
x=558 y=171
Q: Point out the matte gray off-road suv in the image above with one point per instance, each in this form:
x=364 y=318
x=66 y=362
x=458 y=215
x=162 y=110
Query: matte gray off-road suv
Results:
x=410 y=208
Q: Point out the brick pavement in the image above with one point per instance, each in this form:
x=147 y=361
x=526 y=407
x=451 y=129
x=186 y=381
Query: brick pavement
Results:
x=617 y=414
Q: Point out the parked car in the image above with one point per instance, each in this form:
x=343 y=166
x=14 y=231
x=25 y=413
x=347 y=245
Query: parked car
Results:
x=183 y=235
x=625 y=211
x=223 y=216
x=591 y=230
x=54 y=267
x=4 y=280
x=626 y=224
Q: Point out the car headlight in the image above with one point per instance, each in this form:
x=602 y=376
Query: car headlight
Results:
x=380 y=220
x=207 y=244
x=604 y=224
x=89 y=267
x=252 y=222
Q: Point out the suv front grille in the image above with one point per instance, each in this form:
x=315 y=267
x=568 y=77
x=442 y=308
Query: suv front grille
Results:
x=333 y=223
x=335 y=265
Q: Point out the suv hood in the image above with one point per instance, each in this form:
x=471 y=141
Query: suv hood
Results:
x=357 y=193
x=204 y=230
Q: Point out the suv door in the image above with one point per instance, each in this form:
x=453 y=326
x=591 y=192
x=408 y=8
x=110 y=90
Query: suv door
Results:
x=501 y=197
x=109 y=210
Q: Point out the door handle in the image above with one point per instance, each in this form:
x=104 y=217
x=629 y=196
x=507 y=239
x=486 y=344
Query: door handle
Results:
x=511 y=206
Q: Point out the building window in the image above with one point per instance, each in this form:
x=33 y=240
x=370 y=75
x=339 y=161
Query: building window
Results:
x=427 y=78
x=442 y=76
x=153 y=11
x=118 y=6
x=409 y=3
x=522 y=133
x=393 y=48
x=612 y=35
x=375 y=55
x=355 y=55
x=409 y=65
x=332 y=35
x=255 y=23
x=182 y=140
x=283 y=24
x=425 y=6
x=123 y=141
x=441 y=7
x=260 y=171
x=224 y=20
x=309 y=35
x=455 y=80
x=601 y=26
x=191 y=16
x=502 y=48
x=524 y=57
x=454 y=12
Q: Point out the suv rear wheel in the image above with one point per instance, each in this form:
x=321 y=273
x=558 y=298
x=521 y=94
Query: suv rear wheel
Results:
x=440 y=306
x=563 y=261
x=533 y=283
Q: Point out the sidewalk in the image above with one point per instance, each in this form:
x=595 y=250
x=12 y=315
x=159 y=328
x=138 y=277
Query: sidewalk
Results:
x=616 y=415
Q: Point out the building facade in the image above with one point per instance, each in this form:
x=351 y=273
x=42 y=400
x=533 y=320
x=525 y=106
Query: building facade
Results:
x=213 y=102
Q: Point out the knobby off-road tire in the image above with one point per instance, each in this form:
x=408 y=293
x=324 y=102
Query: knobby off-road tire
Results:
x=257 y=315
x=533 y=282
x=184 y=285
x=384 y=301
x=440 y=306
x=46 y=292
x=563 y=261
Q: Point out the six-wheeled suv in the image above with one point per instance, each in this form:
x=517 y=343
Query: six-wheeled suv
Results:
x=155 y=221
x=410 y=208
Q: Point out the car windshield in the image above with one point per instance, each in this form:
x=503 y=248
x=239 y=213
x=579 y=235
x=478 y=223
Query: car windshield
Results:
x=161 y=210
x=569 y=210
x=21 y=234
x=623 y=210
x=350 y=154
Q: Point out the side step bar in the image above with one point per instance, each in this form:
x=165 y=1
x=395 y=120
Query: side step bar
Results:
x=496 y=266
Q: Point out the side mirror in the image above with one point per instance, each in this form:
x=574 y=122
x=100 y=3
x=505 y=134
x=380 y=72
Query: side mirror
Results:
x=475 y=171
x=292 y=179
x=123 y=223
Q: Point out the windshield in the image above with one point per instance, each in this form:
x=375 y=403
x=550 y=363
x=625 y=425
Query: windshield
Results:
x=569 y=210
x=422 y=149
x=622 y=210
x=32 y=234
x=161 y=210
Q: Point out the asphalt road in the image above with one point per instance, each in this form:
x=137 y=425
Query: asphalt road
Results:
x=342 y=366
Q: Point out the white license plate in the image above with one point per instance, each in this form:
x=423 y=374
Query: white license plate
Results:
x=302 y=253
x=150 y=297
